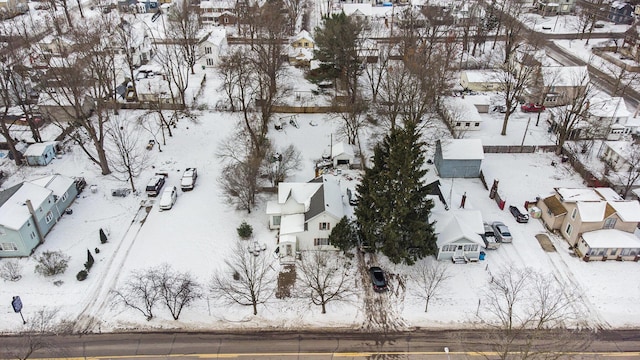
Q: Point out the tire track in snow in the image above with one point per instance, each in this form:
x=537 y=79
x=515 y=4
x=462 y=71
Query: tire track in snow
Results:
x=563 y=274
x=100 y=296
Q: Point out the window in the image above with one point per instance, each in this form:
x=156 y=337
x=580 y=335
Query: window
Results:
x=8 y=246
x=32 y=235
x=64 y=197
x=569 y=229
x=325 y=226
x=609 y=223
x=448 y=248
x=467 y=124
x=320 y=241
x=574 y=213
x=226 y=20
x=458 y=123
x=471 y=247
x=210 y=62
x=49 y=217
x=276 y=220
x=477 y=124
x=306 y=44
x=207 y=50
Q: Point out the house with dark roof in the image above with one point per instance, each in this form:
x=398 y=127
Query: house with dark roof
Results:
x=304 y=214
x=28 y=212
x=583 y=216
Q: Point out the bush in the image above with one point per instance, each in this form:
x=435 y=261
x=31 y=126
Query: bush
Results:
x=97 y=251
x=89 y=262
x=82 y=275
x=245 y=230
x=103 y=236
x=52 y=263
x=10 y=270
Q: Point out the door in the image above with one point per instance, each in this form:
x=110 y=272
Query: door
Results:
x=459 y=251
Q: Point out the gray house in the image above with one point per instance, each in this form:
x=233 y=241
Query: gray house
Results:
x=28 y=211
x=459 y=158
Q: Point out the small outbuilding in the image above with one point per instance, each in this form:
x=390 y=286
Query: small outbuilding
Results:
x=461 y=158
x=342 y=154
x=41 y=154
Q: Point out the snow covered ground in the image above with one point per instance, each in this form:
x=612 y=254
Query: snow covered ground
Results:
x=198 y=233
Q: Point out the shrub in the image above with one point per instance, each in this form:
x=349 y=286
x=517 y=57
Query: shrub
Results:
x=52 y=263
x=90 y=261
x=245 y=230
x=97 y=251
x=103 y=236
x=11 y=270
x=82 y=275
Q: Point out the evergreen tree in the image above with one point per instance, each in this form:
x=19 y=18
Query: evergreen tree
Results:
x=90 y=260
x=393 y=209
x=343 y=235
x=103 y=236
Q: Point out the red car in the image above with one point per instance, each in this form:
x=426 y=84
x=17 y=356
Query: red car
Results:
x=531 y=107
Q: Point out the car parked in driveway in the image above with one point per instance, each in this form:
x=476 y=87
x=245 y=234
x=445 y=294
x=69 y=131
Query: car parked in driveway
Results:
x=155 y=185
x=189 y=178
x=501 y=232
x=520 y=215
x=378 y=279
x=168 y=198
x=531 y=107
x=489 y=238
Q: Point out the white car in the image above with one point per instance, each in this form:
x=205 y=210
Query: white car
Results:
x=189 y=179
x=168 y=198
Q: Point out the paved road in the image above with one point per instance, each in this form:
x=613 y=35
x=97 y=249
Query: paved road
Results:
x=623 y=344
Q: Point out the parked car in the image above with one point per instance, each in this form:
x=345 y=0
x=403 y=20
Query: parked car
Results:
x=489 y=238
x=531 y=107
x=155 y=185
x=520 y=215
x=120 y=192
x=189 y=179
x=351 y=195
x=378 y=279
x=598 y=25
x=168 y=198
x=502 y=232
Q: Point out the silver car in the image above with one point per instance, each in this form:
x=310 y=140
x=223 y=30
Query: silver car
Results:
x=169 y=197
x=501 y=232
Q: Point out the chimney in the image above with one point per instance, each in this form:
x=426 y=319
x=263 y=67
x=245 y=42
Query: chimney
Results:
x=35 y=220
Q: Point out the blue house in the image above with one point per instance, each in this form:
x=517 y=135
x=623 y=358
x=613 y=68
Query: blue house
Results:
x=41 y=154
x=28 y=211
x=621 y=12
x=458 y=158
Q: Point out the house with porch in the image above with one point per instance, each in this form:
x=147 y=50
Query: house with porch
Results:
x=458 y=233
x=304 y=214
x=28 y=212
x=575 y=213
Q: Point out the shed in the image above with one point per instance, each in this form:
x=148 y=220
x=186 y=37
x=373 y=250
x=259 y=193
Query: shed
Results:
x=460 y=158
x=482 y=80
x=41 y=154
x=342 y=154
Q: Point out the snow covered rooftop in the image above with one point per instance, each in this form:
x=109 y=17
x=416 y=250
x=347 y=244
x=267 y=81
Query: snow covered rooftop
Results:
x=452 y=226
x=291 y=224
x=567 y=76
x=628 y=211
x=463 y=109
x=38 y=149
x=299 y=192
x=14 y=213
x=483 y=76
x=341 y=148
x=462 y=149
x=611 y=238
x=592 y=211
x=613 y=107
x=57 y=183
x=582 y=194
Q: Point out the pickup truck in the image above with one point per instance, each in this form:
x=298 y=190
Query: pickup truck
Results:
x=189 y=179
x=489 y=238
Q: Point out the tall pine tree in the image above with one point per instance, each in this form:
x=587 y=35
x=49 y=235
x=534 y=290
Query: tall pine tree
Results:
x=393 y=208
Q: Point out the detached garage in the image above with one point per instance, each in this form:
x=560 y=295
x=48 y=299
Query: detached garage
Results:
x=459 y=158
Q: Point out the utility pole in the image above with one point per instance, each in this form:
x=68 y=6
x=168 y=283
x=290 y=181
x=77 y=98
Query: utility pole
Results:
x=525 y=134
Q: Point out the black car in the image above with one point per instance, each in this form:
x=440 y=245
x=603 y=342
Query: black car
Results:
x=519 y=215
x=377 y=279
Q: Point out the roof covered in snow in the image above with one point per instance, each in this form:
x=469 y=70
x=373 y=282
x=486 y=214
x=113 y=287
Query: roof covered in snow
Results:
x=462 y=149
x=38 y=149
x=57 y=183
x=611 y=238
x=455 y=225
x=14 y=213
x=463 y=109
x=565 y=76
x=613 y=107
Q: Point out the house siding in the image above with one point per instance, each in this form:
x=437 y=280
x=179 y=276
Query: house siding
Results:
x=306 y=238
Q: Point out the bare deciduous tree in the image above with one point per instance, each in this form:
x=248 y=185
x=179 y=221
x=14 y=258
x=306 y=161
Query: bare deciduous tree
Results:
x=183 y=27
x=324 y=277
x=11 y=270
x=247 y=280
x=281 y=164
x=529 y=315
x=430 y=276
x=177 y=289
x=38 y=336
x=140 y=292
x=128 y=158
x=627 y=173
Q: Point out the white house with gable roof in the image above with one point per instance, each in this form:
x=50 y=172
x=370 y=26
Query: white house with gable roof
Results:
x=305 y=213
x=458 y=233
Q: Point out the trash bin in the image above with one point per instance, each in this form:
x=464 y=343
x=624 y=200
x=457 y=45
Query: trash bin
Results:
x=482 y=254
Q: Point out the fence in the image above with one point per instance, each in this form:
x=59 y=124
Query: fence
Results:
x=508 y=149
